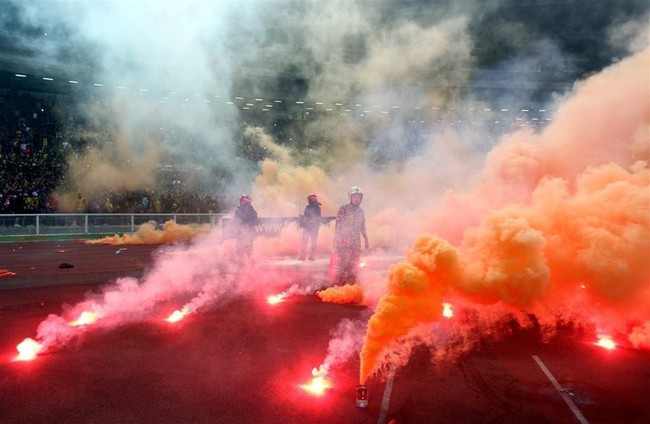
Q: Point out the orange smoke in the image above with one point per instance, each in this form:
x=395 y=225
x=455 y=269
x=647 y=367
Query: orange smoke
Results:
x=504 y=260
x=148 y=234
x=350 y=293
x=415 y=290
x=564 y=251
x=640 y=336
x=567 y=232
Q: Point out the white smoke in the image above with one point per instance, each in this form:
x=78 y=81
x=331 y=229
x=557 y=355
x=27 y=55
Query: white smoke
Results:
x=346 y=340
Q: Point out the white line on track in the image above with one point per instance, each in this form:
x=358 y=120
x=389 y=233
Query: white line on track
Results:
x=386 y=399
x=572 y=406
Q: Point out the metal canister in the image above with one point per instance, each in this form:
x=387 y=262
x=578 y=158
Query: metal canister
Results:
x=362 y=396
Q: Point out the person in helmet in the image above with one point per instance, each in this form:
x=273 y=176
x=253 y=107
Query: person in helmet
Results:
x=245 y=221
x=350 y=228
x=310 y=223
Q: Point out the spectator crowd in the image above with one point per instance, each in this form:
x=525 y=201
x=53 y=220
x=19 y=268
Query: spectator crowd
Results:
x=35 y=146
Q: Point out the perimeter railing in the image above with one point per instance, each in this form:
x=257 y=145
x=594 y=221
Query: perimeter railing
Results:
x=94 y=223
x=80 y=224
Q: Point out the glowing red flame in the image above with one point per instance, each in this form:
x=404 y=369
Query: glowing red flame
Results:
x=447 y=311
x=28 y=349
x=85 y=318
x=276 y=298
x=318 y=385
x=606 y=342
x=176 y=316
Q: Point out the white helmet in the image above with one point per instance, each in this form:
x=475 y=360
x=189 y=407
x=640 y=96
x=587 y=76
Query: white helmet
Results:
x=355 y=190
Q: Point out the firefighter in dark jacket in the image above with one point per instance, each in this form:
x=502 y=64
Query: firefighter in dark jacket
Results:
x=310 y=223
x=245 y=221
x=350 y=227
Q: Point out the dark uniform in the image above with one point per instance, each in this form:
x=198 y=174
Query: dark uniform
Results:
x=310 y=223
x=245 y=221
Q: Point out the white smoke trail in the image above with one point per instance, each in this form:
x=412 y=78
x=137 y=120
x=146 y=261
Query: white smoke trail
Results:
x=346 y=340
x=204 y=270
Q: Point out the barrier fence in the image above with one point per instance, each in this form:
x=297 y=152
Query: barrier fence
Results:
x=93 y=223
x=26 y=225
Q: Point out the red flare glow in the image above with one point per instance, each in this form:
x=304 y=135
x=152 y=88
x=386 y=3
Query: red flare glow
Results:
x=447 y=311
x=362 y=265
x=28 y=349
x=86 y=318
x=276 y=298
x=318 y=385
x=606 y=342
x=176 y=316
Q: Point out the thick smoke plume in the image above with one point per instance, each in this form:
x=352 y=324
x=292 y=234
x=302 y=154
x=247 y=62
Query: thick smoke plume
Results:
x=350 y=293
x=568 y=227
x=149 y=233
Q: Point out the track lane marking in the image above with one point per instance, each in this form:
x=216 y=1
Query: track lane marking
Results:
x=386 y=399
x=572 y=406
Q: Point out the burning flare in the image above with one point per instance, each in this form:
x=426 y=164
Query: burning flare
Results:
x=276 y=298
x=447 y=311
x=28 y=349
x=177 y=315
x=606 y=342
x=85 y=318
x=318 y=385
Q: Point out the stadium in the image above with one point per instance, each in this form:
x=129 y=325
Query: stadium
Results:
x=500 y=150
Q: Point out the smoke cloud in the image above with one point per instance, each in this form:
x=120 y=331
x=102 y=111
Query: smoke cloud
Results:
x=345 y=342
x=149 y=233
x=172 y=88
x=351 y=293
x=202 y=274
x=510 y=156
x=568 y=233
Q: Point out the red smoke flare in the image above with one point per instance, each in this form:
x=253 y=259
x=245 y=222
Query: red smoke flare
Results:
x=318 y=385
x=606 y=342
x=176 y=316
x=28 y=349
x=85 y=318
x=276 y=298
x=447 y=311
